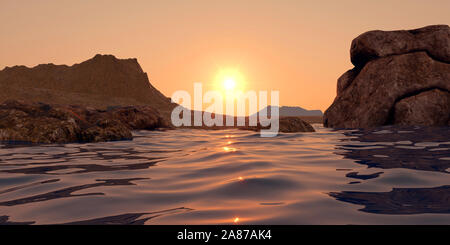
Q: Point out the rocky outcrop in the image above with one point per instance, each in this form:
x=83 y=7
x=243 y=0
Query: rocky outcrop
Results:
x=133 y=117
x=400 y=77
x=42 y=123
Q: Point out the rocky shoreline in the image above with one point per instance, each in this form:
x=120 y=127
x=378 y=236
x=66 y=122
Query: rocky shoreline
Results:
x=101 y=99
x=30 y=122
x=34 y=122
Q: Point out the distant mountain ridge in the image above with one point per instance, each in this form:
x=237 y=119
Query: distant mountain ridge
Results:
x=100 y=82
x=295 y=111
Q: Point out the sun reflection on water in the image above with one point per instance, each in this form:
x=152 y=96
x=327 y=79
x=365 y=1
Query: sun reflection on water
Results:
x=229 y=149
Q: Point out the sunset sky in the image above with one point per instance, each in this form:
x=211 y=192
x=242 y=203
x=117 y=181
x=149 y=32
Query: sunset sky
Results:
x=297 y=47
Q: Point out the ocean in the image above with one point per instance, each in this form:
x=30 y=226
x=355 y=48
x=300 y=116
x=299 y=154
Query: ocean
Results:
x=387 y=175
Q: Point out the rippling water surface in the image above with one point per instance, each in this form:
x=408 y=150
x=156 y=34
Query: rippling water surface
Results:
x=384 y=176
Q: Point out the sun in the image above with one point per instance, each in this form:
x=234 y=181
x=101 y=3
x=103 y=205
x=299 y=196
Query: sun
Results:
x=229 y=82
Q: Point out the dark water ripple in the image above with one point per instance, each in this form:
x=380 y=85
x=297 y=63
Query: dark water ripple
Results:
x=388 y=175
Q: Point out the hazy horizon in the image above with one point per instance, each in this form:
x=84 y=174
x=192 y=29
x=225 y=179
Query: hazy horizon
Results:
x=297 y=47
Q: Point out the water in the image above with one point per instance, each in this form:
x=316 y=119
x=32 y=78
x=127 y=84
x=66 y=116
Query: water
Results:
x=384 y=176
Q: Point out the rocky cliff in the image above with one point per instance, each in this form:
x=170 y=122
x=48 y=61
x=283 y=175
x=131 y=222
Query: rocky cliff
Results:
x=101 y=99
x=400 y=77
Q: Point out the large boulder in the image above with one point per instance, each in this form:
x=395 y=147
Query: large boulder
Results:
x=398 y=79
x=434 y=40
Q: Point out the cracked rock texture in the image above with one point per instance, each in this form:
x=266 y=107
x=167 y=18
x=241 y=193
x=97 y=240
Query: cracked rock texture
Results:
x=42 y=123
x=400 y=77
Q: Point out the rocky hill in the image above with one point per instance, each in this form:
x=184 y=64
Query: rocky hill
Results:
x=295 y=111
x=101 y=82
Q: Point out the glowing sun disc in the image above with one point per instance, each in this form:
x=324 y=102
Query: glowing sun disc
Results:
x=229 y=83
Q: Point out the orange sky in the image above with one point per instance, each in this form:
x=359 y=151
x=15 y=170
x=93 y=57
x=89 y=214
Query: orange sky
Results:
x=297 y=47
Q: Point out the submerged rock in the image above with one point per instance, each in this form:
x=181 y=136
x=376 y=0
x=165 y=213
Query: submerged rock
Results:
x=286 y=125
x=294 y=124
x=395 y=81
x=42 y=123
